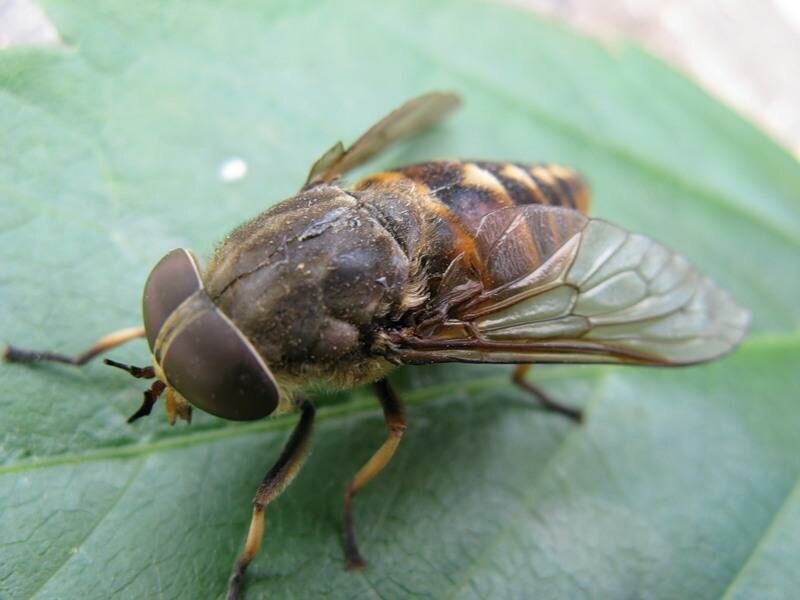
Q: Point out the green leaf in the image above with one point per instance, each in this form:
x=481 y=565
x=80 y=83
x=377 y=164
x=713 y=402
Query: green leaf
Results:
x=682 y=483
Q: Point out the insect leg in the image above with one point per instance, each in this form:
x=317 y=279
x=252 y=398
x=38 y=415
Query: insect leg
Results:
x=107 y=342
x=546 y=401
x=274 y=482
x=396 y=424
x=150 y=397
x=137 y=372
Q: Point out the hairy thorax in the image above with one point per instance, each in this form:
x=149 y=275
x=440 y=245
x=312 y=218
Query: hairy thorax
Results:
x=310 y=282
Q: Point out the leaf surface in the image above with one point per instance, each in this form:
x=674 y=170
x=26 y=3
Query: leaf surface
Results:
x=682 y=483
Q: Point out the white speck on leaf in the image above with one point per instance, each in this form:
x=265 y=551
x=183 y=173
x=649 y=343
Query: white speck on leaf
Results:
x=232 y=169
x=24 y=23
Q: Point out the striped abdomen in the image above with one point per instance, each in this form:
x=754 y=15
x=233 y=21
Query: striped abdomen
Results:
x=452 y=197
x=470 y=190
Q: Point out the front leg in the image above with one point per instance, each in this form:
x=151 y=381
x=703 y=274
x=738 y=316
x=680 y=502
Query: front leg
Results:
x=105 y=343
x=274 y=482
x=396 y=424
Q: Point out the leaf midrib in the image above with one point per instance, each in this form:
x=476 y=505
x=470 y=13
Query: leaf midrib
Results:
x=358 y=406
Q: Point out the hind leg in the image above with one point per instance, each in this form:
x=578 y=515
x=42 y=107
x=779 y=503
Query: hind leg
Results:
x=542 y=398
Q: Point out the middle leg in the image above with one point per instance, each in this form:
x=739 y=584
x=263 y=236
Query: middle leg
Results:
x=396 y=425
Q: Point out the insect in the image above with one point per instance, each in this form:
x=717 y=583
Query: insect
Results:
x=447 y=261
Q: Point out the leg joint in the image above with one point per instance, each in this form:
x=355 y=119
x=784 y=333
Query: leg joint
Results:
x=397 y=428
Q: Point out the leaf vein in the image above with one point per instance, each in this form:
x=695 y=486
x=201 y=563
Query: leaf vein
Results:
x=792 y=496
x=134 y=474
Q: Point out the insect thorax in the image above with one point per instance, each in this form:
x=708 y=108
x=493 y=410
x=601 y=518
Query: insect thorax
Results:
x=310 y=282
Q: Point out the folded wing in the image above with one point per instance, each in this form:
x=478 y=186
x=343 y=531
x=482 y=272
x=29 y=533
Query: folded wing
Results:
x=413 y=117
x=559 y=287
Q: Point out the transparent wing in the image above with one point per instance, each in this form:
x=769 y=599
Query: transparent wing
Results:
x=555 y=286
x=411 y=118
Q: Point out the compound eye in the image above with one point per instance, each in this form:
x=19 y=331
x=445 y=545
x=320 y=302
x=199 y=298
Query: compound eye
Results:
x=216 y=368
x=172 y=280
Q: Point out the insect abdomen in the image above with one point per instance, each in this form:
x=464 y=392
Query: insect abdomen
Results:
x=473 y=189
x=553 y=184
x=452 y=197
